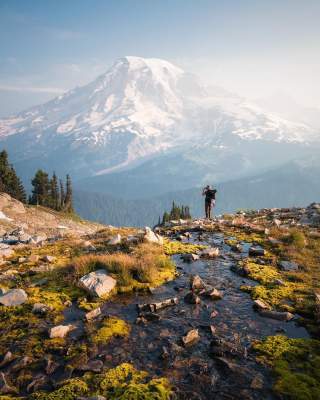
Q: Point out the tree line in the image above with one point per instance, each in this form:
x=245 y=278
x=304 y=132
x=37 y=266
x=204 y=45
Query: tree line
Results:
x=48 y=192
x=176 y=212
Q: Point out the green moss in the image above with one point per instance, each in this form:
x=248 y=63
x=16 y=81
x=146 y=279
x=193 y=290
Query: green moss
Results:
x=296 y=365
x=175 y=247
x=111 y=327
x=126 y=383
x=265 y=274
x=70 y=390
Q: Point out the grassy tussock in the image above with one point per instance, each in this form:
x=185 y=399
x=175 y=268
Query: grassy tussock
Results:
x=146 y=264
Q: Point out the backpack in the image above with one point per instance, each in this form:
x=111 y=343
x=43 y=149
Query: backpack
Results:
x=211 y=194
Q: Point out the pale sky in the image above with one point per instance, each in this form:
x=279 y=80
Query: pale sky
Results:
x=252 y=47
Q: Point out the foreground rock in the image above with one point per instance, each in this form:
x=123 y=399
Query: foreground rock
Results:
x=60 y=331
x=191 y=337
x=13 y=297
x=288 y=266
x=279 y=315
x=210 y=252
x=115 y=240
x=152 y=237
x=152 y=307
x=98 y=283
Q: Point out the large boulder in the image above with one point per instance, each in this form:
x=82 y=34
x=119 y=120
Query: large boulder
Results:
x=151 y=237
x=13 y=297
x=98 y=283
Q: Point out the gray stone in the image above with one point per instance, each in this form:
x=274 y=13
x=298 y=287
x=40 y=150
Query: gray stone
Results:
x=288 y=266
x=98 y=283
x=256 y=252
x=13 y=297
x=190 y=257
x=279 y=315
x=93 y=365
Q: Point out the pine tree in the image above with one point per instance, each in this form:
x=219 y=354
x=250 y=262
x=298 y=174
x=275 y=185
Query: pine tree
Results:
x=68 y=206
x=9 y=181
x=54 y=192
x=62 y=195
x=41 y=186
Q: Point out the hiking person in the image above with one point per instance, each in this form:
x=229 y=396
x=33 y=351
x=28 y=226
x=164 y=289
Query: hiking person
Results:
x=210 y=200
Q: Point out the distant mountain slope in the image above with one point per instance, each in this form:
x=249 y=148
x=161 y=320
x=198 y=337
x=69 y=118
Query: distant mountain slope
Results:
x=141 y=109
x=294 y=184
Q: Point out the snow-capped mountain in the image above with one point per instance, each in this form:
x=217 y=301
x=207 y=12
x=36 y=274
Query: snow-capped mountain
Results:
x=140 y=108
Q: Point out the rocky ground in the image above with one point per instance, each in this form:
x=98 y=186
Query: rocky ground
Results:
x=223 y=309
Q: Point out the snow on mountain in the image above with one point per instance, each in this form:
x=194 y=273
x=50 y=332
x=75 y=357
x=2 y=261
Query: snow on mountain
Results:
x=139 y=108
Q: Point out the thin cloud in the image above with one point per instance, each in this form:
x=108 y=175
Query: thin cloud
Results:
x=31 y=89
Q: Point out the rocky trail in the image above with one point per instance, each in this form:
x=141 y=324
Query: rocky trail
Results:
x=102 y=313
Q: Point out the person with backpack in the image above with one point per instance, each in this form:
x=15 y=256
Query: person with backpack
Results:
x=210 y=200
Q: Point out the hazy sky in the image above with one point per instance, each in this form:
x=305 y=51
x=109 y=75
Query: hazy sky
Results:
x=253 y=47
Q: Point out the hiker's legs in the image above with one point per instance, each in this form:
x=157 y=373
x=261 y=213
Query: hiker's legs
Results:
x=207 y=209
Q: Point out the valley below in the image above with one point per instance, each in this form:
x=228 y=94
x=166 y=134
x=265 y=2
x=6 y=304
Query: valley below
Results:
x=198 y=309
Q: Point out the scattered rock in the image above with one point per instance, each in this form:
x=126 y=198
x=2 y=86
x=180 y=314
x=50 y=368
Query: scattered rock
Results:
x=33 y=258
x=196 y=283
x=14 y=297
x=214 y=314
x=260 y=305
x=49 y=259
x=8 y=357
x=98 y=283
x=214 y=294
x=256 y=252
x=38 y=239
x=93 y=314
x=152 y=307
x=257 y=382
x=279 y=315
x=37 y=383
x=22 y=260
x=210 y=252
x=5 y=251
x=51 y=366
x=115 y=240
x=192 y=298
x=40 y=308
x=288 y=266
x=60 y=331
x=5 y=387
x=89 y=246
x=190 y=257
x=191 y=337
x=93 y=366
x=152 y=237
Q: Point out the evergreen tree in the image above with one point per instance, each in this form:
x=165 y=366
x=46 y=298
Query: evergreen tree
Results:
x=54 y=192
x=40 y=192
x=62 y=195
x=9 y=181
x=68 y=206
x=165 y=218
